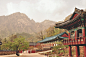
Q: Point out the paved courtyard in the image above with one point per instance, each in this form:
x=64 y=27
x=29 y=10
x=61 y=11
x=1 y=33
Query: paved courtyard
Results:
x=25 y=55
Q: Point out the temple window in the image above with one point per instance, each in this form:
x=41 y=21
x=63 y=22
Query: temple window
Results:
x=79 y=33
x=72 y=34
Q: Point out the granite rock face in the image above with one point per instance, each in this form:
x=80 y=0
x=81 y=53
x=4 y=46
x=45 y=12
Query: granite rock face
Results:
x=19 y=23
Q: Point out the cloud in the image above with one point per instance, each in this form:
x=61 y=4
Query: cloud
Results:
x=12 y=8
x=40 y=10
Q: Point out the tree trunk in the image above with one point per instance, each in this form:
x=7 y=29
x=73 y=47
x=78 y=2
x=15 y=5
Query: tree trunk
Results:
x=17 y=51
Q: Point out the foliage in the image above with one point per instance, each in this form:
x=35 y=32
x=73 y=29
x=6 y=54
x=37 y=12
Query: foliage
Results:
x=17 y=43
x=39 y=47
x=40 y=35
x=27 y=36
x=0 y=39
x=51 y=31
x=20 y=43
x=58 y=56
x=59 y=48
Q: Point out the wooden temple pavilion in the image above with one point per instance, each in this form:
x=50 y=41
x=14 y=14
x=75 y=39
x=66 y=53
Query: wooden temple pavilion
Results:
x=49 y=42
x=76 y=25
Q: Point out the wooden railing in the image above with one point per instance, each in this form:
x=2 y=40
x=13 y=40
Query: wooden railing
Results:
x=75 y=41
x=49 y=45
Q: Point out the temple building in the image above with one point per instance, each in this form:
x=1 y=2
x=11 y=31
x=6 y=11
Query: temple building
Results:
x=76 y=25
x=51 y=41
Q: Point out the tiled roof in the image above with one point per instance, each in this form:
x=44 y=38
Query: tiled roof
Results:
x=53 y=37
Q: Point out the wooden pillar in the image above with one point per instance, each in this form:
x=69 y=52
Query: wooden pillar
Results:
x=84 y=51
x=76 y=41
x=83 y=34
x=70 y=53
x=77 y=51
x=83 y=31
x=77 y=47
x=69 y=35
x=75 y=33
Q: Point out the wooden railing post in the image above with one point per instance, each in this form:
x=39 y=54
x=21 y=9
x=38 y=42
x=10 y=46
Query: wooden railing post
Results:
x=74 y=41
x=67 y=42
x=76 y=36
x=80 y=40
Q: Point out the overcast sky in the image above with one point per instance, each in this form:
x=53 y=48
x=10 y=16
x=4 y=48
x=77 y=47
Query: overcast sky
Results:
x=39 y=10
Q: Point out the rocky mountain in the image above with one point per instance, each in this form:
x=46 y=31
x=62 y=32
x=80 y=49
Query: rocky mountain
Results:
x=19 y=23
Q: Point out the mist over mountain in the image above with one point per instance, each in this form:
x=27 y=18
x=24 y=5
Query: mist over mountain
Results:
x=19 y=23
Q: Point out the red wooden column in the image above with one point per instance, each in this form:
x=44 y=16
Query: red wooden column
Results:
x=69 y=35
x=83 y=31
x=70 y=53
x=76 y=41
x=77 y=47
x=83 y=34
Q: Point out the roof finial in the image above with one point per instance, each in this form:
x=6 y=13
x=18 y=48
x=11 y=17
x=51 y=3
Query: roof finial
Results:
x=76 y=9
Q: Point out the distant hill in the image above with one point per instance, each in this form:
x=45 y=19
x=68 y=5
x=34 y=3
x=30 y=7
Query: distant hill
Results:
x=19 y=23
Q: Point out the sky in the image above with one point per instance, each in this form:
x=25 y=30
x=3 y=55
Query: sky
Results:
x=40 y=10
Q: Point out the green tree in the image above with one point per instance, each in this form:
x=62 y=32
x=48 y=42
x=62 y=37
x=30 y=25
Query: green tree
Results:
x=50 y=31
x=11 y=37
x=60 y=48
x=20 y=43
x=6 y=45
x=40 y=35
x=5 y=40
x=16 y=44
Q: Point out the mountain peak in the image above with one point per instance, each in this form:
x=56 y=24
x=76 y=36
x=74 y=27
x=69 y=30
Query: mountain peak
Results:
x=19 y=22
x=45 y=21
x=18 y=14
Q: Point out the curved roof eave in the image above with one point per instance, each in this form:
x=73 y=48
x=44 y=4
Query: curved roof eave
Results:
x=51 y=38
x=66 y=22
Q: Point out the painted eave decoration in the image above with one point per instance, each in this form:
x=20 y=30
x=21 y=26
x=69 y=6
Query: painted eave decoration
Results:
x=77 y=18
